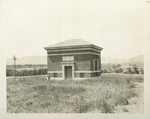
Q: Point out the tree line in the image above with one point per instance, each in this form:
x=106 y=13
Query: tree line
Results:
x=34 y=66
x=41 y=71
x=117 y=68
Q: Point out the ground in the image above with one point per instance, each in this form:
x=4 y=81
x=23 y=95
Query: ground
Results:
x=136 y=104
x=110 y=93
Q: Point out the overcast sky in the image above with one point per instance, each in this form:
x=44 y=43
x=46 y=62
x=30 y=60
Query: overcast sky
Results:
x=30 y=25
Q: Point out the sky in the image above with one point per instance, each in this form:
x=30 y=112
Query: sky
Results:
x=30 y=25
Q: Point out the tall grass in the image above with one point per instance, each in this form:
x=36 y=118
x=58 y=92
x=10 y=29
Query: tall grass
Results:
x=37 y=95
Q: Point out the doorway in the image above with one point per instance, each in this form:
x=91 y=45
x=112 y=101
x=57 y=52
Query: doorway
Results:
x=68 y=72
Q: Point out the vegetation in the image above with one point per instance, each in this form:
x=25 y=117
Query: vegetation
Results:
x=33 y=66
x=10 y=72
x=39 y=95
x=29 y=69
x=118 y=68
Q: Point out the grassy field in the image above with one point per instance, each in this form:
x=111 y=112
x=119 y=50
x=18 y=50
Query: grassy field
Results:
x=35 y=94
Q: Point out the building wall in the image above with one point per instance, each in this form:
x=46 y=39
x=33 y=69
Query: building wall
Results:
x=54 y=63
x=98 y=58
x=83 y=62
x=100 y=61
x=95 y=74
x=59 y=75
x=77 y=75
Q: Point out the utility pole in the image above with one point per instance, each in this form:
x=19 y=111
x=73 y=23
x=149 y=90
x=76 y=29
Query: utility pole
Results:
x=14 y=58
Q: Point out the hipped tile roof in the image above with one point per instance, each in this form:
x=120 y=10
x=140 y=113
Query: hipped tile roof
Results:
x=71 y=42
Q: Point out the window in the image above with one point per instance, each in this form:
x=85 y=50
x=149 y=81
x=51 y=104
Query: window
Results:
x=54 y=74
x=95 y=64
x=81 y=75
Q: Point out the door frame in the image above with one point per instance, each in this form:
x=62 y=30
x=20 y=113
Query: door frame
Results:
x=71 y=63
x=66 y=73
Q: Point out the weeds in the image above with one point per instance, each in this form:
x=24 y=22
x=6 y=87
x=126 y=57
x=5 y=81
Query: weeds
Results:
x=125 y=110
x=122 y=101
x=36 y=94
x=106 y=108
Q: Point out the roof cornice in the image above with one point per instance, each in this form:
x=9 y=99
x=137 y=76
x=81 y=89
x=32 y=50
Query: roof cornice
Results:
x=73 y=47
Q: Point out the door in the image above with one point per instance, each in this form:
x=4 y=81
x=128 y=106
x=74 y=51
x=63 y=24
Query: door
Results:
x=68 y=72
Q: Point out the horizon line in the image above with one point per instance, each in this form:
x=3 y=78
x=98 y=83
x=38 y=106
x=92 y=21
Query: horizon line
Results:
x=102 y=56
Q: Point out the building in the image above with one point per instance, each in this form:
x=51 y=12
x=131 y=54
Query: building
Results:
x=73 y=59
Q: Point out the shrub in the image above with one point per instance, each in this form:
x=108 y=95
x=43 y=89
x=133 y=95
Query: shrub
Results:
x=118 y=70
x=105 y=107
x=125 y=110
x=128 y=81
x=9 y=72
x=122 y=101
x=141 y=71
x=105 y=71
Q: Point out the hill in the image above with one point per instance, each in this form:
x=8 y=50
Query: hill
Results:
x=113 y=60
x=28 y=60
x=137 y=59
x=43 y=60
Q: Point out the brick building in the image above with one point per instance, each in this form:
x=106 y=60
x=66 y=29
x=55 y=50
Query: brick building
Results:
x=73 y=59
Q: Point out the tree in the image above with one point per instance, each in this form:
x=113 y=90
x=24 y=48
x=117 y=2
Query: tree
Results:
x=118 y=65
x=9 y=72
x=25 y=72
x=132 y=72
x=30 y=72
x=129 y=70
x=135 y=69
x=105 y=71
x=43 y=71
x=39 y=71
x=109 y=65
x=114 y=66
x=118 y=70
x=20 y=73
x=141 y=71
x=35 y=72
